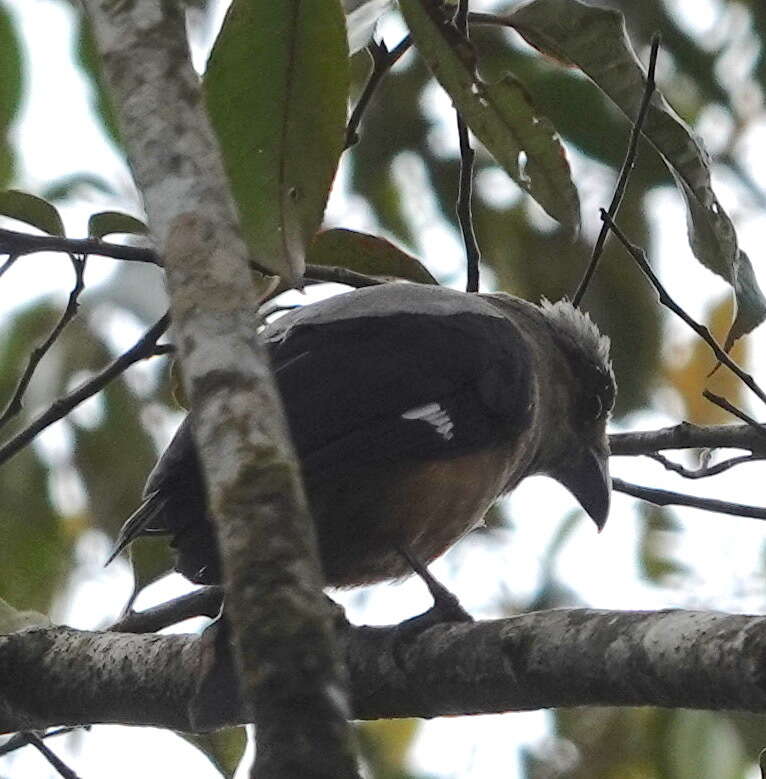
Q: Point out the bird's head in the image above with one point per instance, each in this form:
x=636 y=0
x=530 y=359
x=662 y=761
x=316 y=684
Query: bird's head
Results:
x=579 y=459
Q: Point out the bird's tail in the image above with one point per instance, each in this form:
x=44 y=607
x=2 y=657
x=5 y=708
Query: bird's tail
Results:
x=141 y=522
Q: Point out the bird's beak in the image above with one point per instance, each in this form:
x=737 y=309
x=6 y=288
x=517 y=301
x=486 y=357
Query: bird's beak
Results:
x=587 y=478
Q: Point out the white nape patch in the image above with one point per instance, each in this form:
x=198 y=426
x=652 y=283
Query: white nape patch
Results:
x=435 y=415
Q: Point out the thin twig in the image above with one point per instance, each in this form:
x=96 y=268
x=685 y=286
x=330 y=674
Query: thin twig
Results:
x=338 y=275
x=667 y=498
x=382 y=61
x=58 y=764
x=734 y=411
x=15 y=404
x=19 y=244
x=8 y=263
x=204 y=602
x=15 y=243
x=19 y=740
x=639 y=256
x=142 y=349
x=703 y=473
x=627 y=166
x=465 y=185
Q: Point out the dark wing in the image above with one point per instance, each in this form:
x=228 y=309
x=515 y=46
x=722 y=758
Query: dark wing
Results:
x=405 y=386
x=359 y=390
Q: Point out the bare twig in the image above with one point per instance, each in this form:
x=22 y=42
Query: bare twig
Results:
x=338 y=275
x=142 y=349
x=19 y=740
x=687 y=436
x=639 y=256
x=465 y=185
x=8 y=263
x=627 y=167
x=668 y=498
x=702 y=473
x=205 y=602
x=15 y=404
x=732 y=409
x=58 y=764
x=19 y=244
x=382 y=61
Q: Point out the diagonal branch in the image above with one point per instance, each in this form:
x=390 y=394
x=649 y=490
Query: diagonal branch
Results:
x=143 y=348
x=639 y=256
x=382 y=61
x=15 y=404
x=627 y=166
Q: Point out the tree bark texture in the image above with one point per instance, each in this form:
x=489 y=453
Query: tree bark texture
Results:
x=289 y=669
x=558 y=658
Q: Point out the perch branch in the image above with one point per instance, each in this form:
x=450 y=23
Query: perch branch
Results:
x=560 y=658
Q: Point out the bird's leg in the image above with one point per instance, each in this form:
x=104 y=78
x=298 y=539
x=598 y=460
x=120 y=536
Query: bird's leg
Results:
x=446 y=606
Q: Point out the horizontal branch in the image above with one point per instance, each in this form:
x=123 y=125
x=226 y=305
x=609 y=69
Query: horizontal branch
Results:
x=567 y=657
x=17 y=244
x=688 y=436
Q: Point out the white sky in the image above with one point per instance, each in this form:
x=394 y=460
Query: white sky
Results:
x=58 y=136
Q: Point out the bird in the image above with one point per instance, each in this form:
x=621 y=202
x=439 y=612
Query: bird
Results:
x=412 y=408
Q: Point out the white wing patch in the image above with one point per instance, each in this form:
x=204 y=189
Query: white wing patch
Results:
x=435 y=415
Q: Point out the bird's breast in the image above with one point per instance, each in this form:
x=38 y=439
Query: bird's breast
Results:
x=364 y=517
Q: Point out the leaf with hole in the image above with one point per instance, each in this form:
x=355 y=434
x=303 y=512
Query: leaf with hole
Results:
x=501 y=114
x=594 y=39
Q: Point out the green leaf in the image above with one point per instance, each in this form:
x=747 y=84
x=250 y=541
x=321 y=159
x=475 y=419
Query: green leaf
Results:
x=277 y=89
x=32 y=210
x=224 y=748
x=11 y=88
x=108 y=222
x=594 y=39
x=366 y=254
x=500 y=115
x=12 y=620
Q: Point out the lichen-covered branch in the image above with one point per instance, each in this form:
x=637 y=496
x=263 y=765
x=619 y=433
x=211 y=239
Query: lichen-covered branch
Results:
x=281 y=626
x=559 y=658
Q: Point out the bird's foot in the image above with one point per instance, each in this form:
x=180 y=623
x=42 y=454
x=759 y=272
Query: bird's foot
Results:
x=446 y=608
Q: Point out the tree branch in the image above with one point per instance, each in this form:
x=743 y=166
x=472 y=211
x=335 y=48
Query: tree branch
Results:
x=639 y=256
x=382 y=61
x=687 y=436
x=627 y=166
x=15 y=404
x=143 y=348
x=281 y=625
x=560 y=658
x=669 y=498
x=19 y=244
